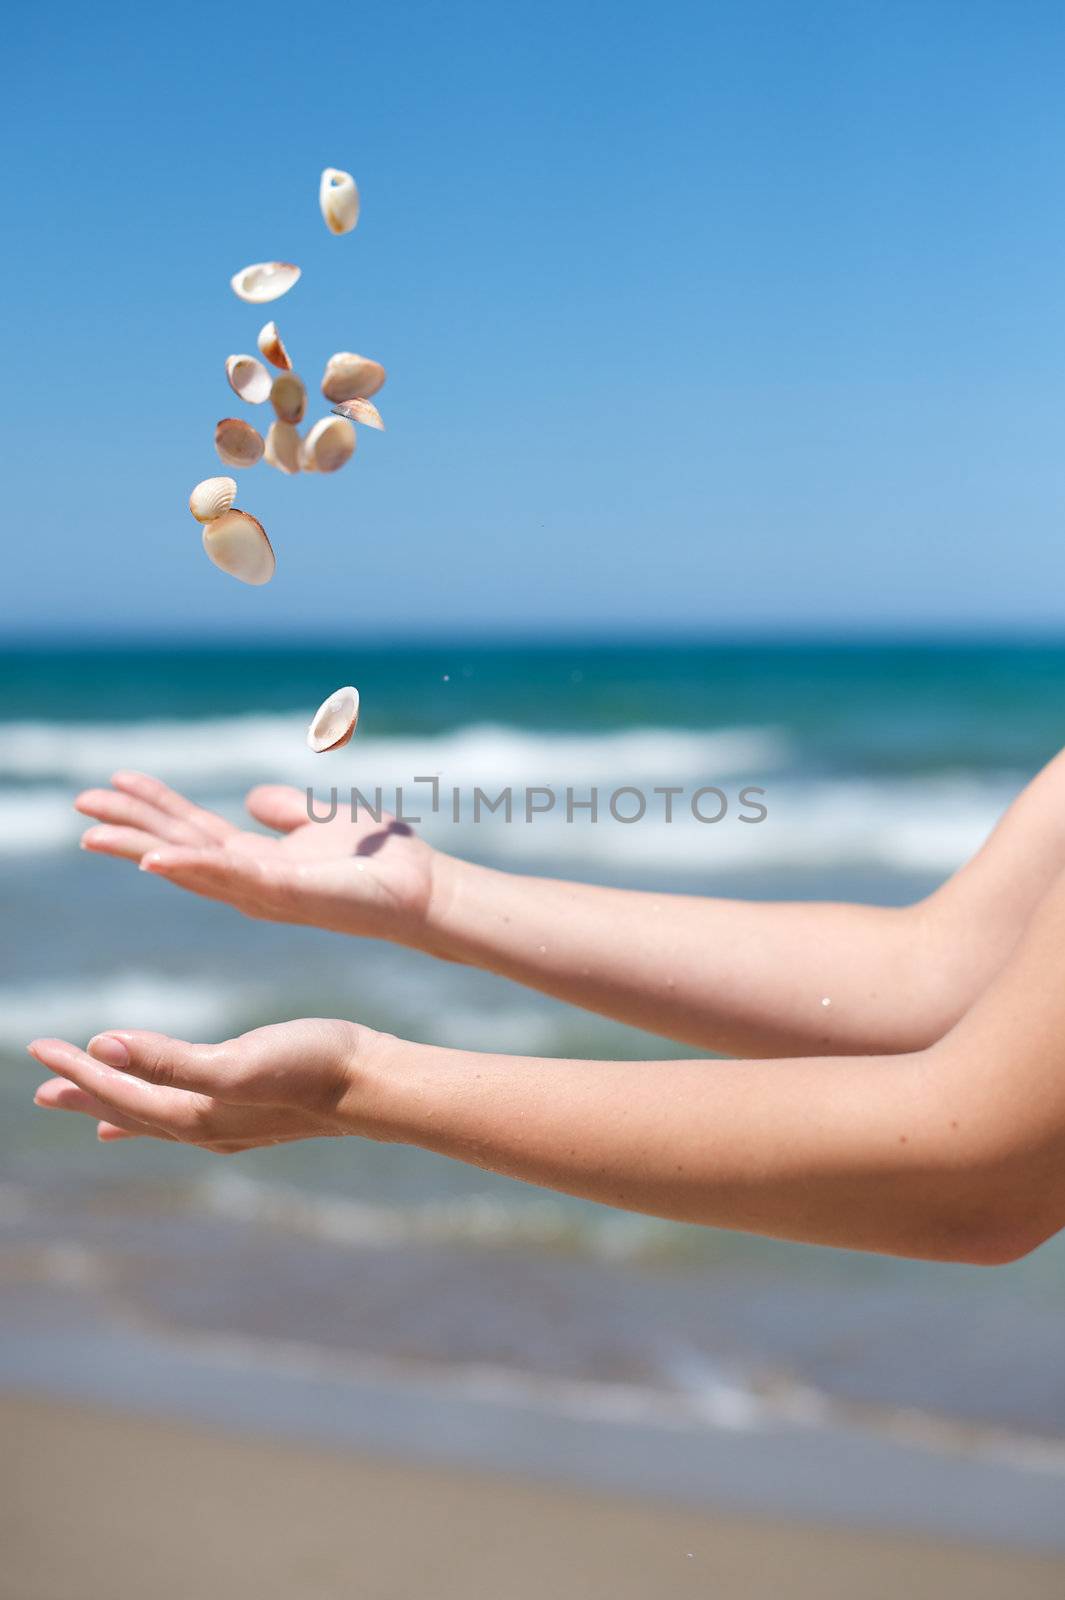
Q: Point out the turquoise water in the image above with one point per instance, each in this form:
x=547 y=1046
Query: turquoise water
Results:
x=882 y=765
x=875 y=707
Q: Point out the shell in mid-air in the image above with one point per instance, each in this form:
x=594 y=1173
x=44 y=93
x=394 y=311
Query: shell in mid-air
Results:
x=236 y=542
x=335 y=720
x=264 y=280
x=338 y=196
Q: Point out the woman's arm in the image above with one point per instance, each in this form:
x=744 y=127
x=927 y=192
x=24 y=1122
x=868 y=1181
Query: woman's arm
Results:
x=956 y=1152
x=741 y=977
x=753 y=978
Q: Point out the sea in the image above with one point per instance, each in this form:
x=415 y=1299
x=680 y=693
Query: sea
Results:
x=385 y=1297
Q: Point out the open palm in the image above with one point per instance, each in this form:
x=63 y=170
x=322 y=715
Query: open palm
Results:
x=361 y=877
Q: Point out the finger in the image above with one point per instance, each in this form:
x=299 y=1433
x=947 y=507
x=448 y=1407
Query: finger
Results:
x=240 y=1074
x=159 y=794
x=256 y=886
x=128 y=843
x=125 y=810
x=109 y=1133
x=241 y=1080
x=57 y=1094
x=186 y=1116
x=278 y=806
x=168 y=1063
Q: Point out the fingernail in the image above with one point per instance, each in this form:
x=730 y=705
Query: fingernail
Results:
x=151 y=862
x=111 y=1051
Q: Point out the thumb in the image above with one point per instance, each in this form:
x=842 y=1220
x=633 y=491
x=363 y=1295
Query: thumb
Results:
x=278 y=805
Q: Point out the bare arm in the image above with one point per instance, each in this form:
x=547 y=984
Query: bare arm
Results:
x=740 y=977
x=955 y=1152
x=772 y=979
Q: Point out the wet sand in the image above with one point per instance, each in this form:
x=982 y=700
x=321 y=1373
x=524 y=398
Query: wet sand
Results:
x=97 y=1505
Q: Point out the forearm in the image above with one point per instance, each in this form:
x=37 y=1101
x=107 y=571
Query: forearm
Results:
x=854 y=1153
x=743 y=978
x=750 y=978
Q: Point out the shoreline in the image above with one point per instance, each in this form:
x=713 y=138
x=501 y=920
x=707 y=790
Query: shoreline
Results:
x=180 y=1508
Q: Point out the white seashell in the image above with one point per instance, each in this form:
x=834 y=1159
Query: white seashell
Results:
x=363 y=411
x=335 y=721
x=211 y=497
x=271 y=346
x=236 y=542
x=283 y=447
x=237 y=442
x=264 y=280
x=288 y=397
x=338 y=196
x=248 y=378
x=351 y=377
x=329 y=444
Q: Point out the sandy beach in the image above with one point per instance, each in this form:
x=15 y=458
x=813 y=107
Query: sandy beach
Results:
x=98 y=1505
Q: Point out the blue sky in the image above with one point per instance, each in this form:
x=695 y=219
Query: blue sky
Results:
x=707 y=317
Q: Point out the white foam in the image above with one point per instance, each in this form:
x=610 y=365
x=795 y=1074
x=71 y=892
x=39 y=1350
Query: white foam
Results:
x=543 y=1221
x=236 y=751
x=36 y=821
x=919 y=824
x=197 y=1009
x=908 y=824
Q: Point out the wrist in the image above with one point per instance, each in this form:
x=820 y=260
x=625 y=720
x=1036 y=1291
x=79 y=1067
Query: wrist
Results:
x=455 y=887
x=373 y=1071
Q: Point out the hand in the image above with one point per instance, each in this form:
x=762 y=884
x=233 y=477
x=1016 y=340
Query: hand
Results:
x=363 y=877
x=297 y=1080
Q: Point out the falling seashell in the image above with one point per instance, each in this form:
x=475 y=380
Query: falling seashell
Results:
x=211 y=497
x=271 y=346
x=338 y=196
x=307 y=461
x=283 y=447
x=335 y=721
x=351 y=377
x=288 y=397
x=329 y=444
x=236 y=542
x=264 y=280
x=248 y=378
x=363 y=411
x=237 y=442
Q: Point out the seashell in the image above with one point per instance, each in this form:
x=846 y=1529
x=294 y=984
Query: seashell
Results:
x=351 y=377
x=338 y=196
x=363 y=411
x=307 y=461
x=264 y=280
x=335 y=720
x=271 y=346
x=237 y=442
x=248 y=378
x=211 y=497
x=283 y=447
x=329 y=444
x=288 y=397
x=236 y=542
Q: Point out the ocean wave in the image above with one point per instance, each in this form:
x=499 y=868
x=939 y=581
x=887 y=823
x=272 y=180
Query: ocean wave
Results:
x=37 y=821
x=76 y=1009
x=543 y=1221
x=232 y=752
x=683 y=1386
x=908 y=825
x=911 y=825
